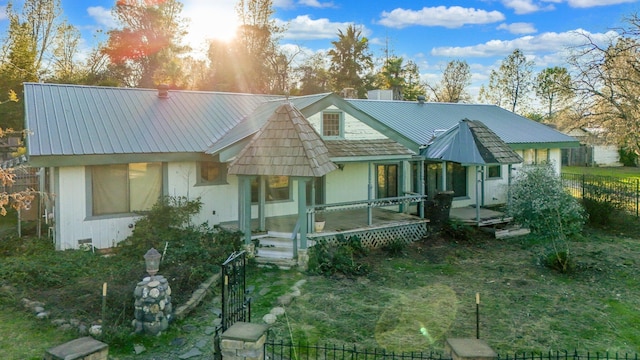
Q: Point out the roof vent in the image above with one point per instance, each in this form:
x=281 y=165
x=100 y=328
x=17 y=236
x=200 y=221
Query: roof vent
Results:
x=163 y=91
x=421 y=99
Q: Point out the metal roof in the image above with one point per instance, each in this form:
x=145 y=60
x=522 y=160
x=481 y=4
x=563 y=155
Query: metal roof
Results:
x=421 y=121
x=254 y=121
x=92 y=120
x=286 y=145
x=471 y=143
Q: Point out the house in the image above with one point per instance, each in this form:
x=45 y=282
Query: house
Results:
x=109 y=153
x=594 y=150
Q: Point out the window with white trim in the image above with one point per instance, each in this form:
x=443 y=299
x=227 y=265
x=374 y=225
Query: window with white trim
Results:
x=125 y=188
x=332 y=124
x=212 y=173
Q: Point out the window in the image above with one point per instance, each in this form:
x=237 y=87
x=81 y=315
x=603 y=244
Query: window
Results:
x=387 y=176
x=331 y=124
x=494 y=172
x=456 y=179
x=277 y=189
x=125 y=188
x=210 y=172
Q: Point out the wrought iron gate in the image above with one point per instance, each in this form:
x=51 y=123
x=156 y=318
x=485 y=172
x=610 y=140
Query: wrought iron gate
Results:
x=236 y=306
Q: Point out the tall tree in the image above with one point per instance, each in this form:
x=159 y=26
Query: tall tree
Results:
x=452 y=87
x=402 y=78
x=314 y=75
x=257 y=58
x=66 y=69
x=553 y=87
x=607 y=82
x=224 y=72
x=510 y=85
x=350 y=60
x=150 y=37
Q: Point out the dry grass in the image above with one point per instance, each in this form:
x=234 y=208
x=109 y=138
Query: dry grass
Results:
x=414 y=302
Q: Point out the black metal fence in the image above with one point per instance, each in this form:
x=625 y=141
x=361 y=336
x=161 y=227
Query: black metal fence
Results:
x=286 y=351
x=565 y=355
x=279 y=350
x=622 y=193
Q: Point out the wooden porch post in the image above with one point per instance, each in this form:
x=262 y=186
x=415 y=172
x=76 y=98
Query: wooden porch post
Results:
x=262 y=195
x=302 y=212
x=401 y=187
x=370 y=195
x=244 y=207
x=422 y=187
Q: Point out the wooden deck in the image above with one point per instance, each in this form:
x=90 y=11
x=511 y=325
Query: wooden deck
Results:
x=488 y=217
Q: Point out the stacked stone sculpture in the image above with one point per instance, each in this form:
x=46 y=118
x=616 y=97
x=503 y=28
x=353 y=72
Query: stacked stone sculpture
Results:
x=153 y=310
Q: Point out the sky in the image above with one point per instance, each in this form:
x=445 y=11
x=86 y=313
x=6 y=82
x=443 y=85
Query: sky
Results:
x=430 y=33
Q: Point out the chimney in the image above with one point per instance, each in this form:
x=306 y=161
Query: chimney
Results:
x=163 y=91
x=421 y=99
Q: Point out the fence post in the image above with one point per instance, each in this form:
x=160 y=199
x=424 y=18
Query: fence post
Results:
x=244 y=341
x=469 y=349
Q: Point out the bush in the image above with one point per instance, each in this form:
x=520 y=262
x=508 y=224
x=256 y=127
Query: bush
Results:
x=396 y=247
x=456 y=230
x=628 y=157
x=539 y=201
x=328 y=259
x=558 y=260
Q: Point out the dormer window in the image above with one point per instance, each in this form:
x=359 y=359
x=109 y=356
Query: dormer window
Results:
x=332 y=124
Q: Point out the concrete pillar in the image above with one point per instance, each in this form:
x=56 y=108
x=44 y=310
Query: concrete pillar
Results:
x=303 y=259
x=244 y=341
x=469 y=349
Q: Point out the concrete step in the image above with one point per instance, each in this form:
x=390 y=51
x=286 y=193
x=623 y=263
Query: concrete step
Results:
x=284 y=264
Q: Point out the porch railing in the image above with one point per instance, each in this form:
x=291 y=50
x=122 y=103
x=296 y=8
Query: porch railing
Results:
x=402 y=202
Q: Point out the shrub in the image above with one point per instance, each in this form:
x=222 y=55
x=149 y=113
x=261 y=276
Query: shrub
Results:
x=395 y=247
x=539 y=202
x=456 y=230
x=328 y=259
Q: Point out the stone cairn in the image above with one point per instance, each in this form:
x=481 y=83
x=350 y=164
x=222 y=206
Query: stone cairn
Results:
x=153 y=310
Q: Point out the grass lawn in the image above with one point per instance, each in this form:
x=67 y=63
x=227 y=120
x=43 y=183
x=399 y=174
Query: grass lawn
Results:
x=619 y=171
x=415 y=301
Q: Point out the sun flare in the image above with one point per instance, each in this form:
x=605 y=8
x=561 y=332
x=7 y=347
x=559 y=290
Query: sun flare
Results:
x=210 y=20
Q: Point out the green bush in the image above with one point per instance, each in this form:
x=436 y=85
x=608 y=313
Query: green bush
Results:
x=539 y=201
x=396 y=247
x=558 y=260
x=628 y=157
x=328 y=259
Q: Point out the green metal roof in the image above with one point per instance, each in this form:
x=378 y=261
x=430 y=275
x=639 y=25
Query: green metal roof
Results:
x=91 y=120
x=421 y=121
x=471 y=143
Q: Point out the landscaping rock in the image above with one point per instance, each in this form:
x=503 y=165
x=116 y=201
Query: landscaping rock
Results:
x=269 y=319
x=277 y=311
x=191 y=353
x=285 y=300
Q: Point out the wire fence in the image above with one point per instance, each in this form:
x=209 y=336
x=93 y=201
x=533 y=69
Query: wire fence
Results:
x=565 y=355
x=287 y=351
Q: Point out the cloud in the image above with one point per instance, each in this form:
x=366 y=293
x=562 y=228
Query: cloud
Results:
x=526 y=6
x=304 y=27
x=316 y=3
x=449 y=17
x=546 y=43
x=518 y=28
x=593 y=3
x=102 y=16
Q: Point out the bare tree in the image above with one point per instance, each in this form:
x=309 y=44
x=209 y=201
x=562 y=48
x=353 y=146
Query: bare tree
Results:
x=452 y=87
x=510 y=85
x=607 y=82
x=553 y=87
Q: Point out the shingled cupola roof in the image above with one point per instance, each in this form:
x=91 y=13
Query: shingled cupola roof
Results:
x=472 y=143
x=286 y=145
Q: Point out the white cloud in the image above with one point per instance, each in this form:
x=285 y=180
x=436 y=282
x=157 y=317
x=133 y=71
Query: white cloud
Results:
x=102 y=16
x=449 y=17
x=546 y=43
x=593 y=3
x=316 y=3
x=304 y=27
x=518 y=28
x=525 y=6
